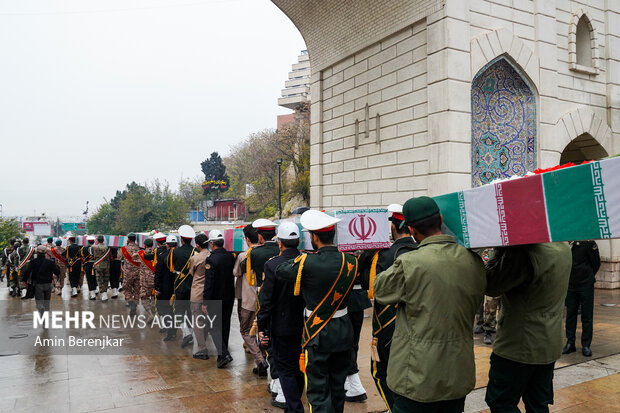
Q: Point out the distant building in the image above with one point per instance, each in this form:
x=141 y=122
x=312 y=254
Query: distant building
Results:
x=427 y=97
x=220 y=210
x=297 y=88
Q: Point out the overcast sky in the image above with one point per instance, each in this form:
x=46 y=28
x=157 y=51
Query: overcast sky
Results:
x=97 y=93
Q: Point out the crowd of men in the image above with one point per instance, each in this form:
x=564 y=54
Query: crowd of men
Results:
x=301 y=312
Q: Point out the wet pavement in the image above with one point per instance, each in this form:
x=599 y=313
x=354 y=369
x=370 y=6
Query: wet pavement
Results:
x=150 y=381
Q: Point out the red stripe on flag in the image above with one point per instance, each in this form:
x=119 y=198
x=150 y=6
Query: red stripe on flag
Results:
x=526 y=215
x=229 y=244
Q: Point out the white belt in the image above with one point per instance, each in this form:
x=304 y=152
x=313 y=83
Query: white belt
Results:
x=337 y=314
x=357 y=287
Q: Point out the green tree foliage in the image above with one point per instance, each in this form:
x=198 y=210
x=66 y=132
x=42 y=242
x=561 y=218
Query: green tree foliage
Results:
x=215 y=171
x=140 y=208
x=254 y=162
x=9 y=228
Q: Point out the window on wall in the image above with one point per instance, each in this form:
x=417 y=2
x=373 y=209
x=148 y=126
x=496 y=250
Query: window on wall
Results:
x=584 y=43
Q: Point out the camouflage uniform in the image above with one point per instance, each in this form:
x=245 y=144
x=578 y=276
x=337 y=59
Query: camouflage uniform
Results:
x=131 y=272
x=21 y=254
x=102 y=269
x=491 y=305
x=146 y=283
x=60 y=280
x=6 y=263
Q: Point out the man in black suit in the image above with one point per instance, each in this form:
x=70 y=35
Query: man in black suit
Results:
x=220 y=286
x=42 y=272
x=280 y=319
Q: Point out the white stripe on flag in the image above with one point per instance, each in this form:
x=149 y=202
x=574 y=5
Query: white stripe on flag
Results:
x=482 y=217
x=610 y=169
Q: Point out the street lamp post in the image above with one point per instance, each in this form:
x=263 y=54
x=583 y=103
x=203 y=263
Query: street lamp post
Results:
x=279 y=162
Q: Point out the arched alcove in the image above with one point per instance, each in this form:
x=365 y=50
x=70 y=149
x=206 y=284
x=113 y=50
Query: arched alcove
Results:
x=583 y=51
x=582 y=148
x=503 y=123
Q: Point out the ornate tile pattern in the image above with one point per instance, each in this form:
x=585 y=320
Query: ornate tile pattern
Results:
x=503 y=124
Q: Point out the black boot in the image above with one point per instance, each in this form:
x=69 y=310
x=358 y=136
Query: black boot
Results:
x=132 y=308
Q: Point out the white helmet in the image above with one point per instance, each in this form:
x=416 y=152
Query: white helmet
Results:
x=288 y=230
x=91 y=238
x=158 y=236
x=171 y=239
x=215 y=234
x=186 y=231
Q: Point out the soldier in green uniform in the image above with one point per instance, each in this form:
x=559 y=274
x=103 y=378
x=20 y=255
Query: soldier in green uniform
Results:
x=383 y=316
x=324 y=279
x=438 y=288
x=8 y=267
x=72 y=255
x=179 y=266
x=101 y=266
x=13 y=277
x=532 y=280
x=25 y=253
x=87 y=265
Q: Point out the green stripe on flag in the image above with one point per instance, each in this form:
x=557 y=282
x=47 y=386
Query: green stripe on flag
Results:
x=571 y=209
x=452 y=208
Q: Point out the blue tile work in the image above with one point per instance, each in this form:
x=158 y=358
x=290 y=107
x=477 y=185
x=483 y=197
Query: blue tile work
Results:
x=503 y=124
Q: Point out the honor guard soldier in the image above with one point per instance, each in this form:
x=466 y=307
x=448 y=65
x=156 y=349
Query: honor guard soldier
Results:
x=197 y=271
x=74 y=264
x=13 y=280
x=219 y=286
x=87 y=265
x=178 y=264
x=131 y=272
x=324 y=279
x=8 y=267
x=280 y=320
x=383 y=316
x=101 y=266
x=438 y=288
x=255 y=259
x=58 y=254
x=147 y=270
x=163 y=283
x=24 y=254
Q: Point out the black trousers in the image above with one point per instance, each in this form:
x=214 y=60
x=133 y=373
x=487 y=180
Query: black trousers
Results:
x=74 y=275
x=575 y=298
x=164 y=310
x=91 y=278
x=42 y=296
x=405 y=405
x=378 y=369
x=286 y=351
x=115 y=273
x=509 y=381
x=221 y=328
x=357 y=321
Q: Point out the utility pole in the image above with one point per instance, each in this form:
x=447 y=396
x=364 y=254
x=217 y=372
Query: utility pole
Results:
x=279 y=162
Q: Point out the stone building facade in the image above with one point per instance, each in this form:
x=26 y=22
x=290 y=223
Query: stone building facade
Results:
x=426 y=97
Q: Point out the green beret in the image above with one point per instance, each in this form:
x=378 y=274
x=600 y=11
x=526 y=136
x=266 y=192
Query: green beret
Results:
x=50 y=239
x=417 y=209
x=131 y=235
x=58 y=242
x=148 y=242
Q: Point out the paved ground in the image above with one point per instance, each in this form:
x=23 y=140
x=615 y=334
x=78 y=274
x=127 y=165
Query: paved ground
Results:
x=128 y=383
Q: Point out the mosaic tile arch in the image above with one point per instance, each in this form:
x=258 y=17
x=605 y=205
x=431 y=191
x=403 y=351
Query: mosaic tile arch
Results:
x=503 y=124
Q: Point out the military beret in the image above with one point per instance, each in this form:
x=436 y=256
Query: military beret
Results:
x=58 y=242
x=148 y=242
x=131 y=236
x=50 y=239
x=417 y=209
